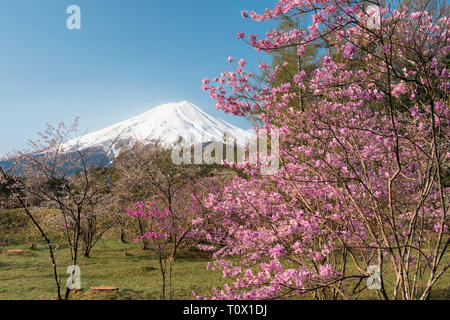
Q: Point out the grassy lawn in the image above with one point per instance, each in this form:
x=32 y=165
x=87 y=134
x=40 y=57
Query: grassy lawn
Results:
x=135 y=272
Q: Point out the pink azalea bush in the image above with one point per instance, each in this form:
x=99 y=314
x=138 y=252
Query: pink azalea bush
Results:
x=361 y=180
x=158 y=226
x=169 y=228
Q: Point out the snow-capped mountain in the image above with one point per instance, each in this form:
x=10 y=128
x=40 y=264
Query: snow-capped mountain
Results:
x=165 y=124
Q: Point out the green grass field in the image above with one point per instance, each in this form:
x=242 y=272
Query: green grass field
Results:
x=135 y=272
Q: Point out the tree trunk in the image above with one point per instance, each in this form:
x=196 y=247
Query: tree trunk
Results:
x=122 y=235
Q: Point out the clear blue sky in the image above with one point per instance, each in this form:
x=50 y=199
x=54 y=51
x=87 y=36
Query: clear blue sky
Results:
x=129 y=56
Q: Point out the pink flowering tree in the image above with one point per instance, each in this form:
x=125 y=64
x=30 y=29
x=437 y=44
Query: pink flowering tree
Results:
x=363 y=152
x=158 y=235
x=180 y=225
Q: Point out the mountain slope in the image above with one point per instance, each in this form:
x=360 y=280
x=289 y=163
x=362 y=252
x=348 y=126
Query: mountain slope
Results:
x=164 y=124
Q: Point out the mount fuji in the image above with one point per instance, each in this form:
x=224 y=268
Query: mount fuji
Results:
x=164 y=124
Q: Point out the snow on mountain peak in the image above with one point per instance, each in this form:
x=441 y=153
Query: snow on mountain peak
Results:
x=165 y=124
